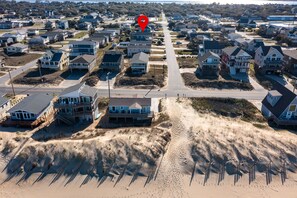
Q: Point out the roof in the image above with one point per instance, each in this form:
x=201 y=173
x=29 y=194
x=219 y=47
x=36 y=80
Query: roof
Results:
x=266 y=49
x=286 y=99
x=208 y=44
x=130 y=102
x=34 y=103
x=84 y=59
x=291 y=53
x=83 y=42
x=233 y=51
x=20 y=45
x=57 y=56
x=140 y=58
x=112 y=57
x=82 y=88
x=206 y=55
x=3 y=100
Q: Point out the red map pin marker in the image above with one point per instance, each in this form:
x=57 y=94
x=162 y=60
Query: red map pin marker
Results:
x=142 y=22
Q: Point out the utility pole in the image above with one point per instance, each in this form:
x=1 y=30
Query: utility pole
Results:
x=39 y=68
x=107 y=77
x=11 y=82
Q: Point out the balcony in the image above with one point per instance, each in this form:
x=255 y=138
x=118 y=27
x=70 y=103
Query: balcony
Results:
x=273 y=62
x=73 y=105
x=130 y=115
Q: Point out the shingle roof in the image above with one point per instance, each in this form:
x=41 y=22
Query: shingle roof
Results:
x=206 y=55
x=286 y=98
x=212 y=44
x=34 y=103
x=140 y=58
x=267 y=48
x=291 y=53
x=130 y=101
x=57 y=56
x=84 y=59
x=19 y=45
x=3 y=100
x=82 y=88
x=109 y=58
x=233 y=51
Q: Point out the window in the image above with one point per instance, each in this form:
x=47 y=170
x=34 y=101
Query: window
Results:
x=292 y=108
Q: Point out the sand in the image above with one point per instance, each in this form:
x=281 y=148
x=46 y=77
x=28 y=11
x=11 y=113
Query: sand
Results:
x=207 y=156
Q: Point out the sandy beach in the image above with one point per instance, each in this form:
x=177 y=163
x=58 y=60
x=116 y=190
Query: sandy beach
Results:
x=206 y=155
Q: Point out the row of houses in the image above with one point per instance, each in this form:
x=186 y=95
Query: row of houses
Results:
x=78 y=103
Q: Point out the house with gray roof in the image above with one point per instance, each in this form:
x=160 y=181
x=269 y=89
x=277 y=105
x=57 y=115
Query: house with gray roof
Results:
x=84 y=62
x=269 y=59
x=139 y=63
x=32 y=108
x=77 y=103
x=211 y=45
x=86 y=46
x=17 y=48
x=130 y=110
x=209 y=64
x=236 y=60
x=290 y=61
x=54 y=59
x=280 y=106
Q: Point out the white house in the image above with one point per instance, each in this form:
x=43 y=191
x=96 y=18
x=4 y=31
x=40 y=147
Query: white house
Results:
x=87 y=62
x=135 y=47
x=54 y=59
x=139 y=63
x=269 y=59
x=17 y=48
x=32 y=108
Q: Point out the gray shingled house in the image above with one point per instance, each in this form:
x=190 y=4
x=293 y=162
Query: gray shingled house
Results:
x=139 y=63
x=77 y=103
x=280 y=106
x=209 y=64
x=112 y=61
x=130 y=110
x=32 y=110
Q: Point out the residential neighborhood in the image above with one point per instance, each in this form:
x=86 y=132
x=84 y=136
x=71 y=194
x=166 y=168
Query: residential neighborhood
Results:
x=148 y=99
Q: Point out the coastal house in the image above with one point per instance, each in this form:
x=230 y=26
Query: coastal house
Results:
x=269 y=59
x=54 y=59
x=211 y=46
x=92 y=18
x=4 y=106
x=32 y=110
x=135 y=47
x=84 y=26
x=8 y=25
x=50 y=25
x=78 y=48
x=112 y=61
x=12 y=38
x=279 y=106
x=236 y=60
x=209 y=64
x=77 y=103
x=84 y=62
x=63 y=24
x=130 y=110
x=141 y=36
x=233 y=36
x=38 y=41
x=17 y=48
x=139 y=63
x=55 y=36
x=32 y=32
x=290 y=61
x=246 y=22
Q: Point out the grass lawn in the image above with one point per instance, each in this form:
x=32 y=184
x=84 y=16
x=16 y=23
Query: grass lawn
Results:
x=228 y=107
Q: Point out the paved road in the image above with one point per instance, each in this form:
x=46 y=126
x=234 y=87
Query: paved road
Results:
x=175 y=81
